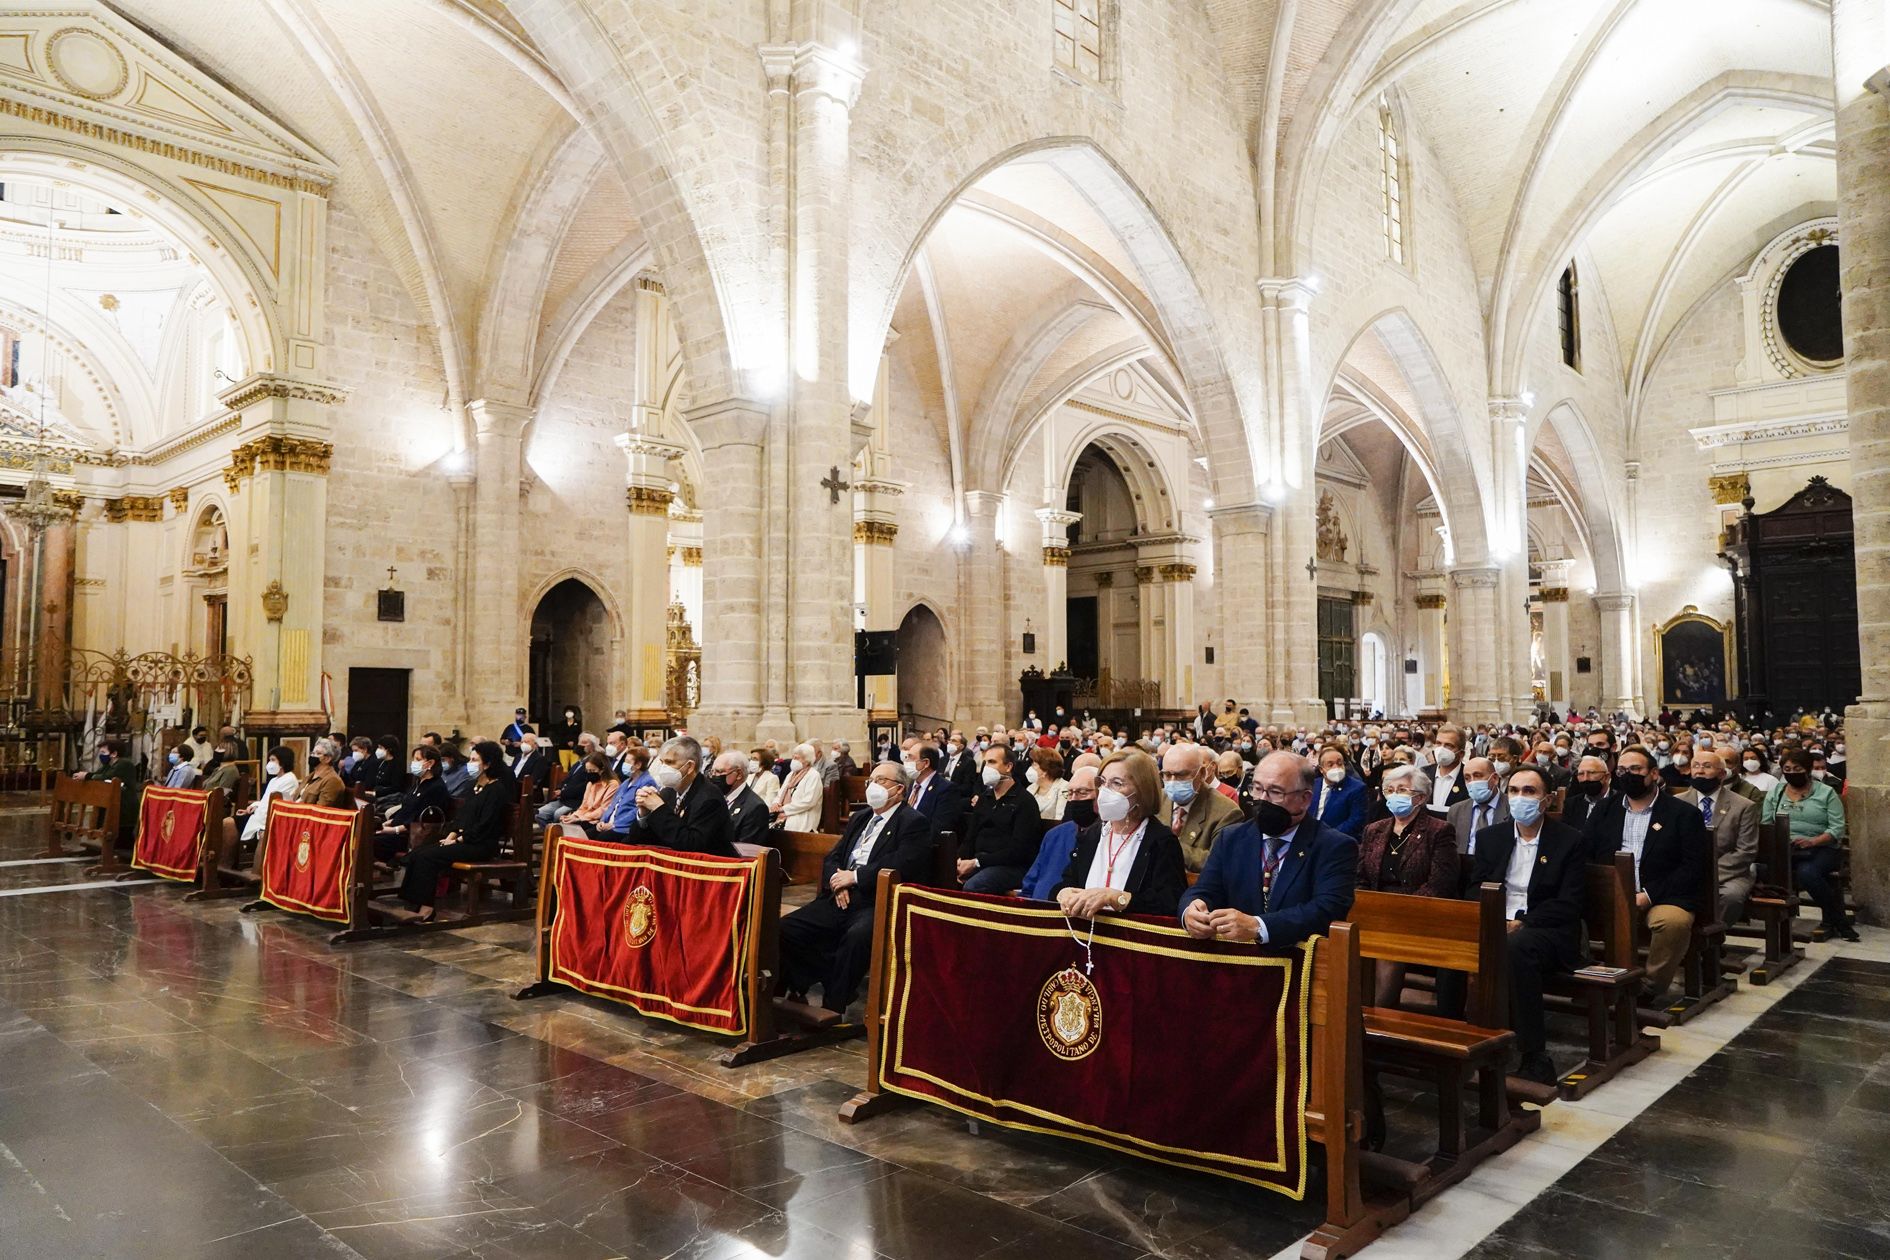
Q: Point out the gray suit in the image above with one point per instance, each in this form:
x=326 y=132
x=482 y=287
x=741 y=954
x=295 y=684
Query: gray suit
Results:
x=1461 y=816
x=1735 y=846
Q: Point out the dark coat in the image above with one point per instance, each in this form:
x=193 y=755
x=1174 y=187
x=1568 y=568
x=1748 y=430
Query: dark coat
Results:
x=1558 y=884
x=697 y=823
x=1674 y=858
x=1312 y=888
x=1156 y=879
x=904 y=844
x=1428 y=861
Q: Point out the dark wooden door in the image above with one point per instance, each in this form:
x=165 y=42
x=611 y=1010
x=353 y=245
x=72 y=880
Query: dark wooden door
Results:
x=1802 y=601
x=1338 y=653
x=377 y=703
x=1085 y=656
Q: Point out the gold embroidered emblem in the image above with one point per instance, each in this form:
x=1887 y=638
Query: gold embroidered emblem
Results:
x=169 y=825
x=304 y=846
x=1069 y=1015
x=639 y=917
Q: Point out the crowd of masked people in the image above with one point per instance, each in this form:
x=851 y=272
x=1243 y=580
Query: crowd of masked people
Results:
x=1276 y=826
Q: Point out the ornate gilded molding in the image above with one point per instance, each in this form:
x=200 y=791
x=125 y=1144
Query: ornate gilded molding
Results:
x=647 y=500
x=1555 y=594
x=692 y=557
x=161 y=148
x=1430 y=602
x=258 y=388
x=1362 y=599
x=180 y=498
x=1177 y=572
x=1729 y=489
x=275 y=600
x=1105 y=580
x=71 y=500
x=1056 y=557
x=134 y=507
x=872 y=533
x=274 y=453
x=1146 y=575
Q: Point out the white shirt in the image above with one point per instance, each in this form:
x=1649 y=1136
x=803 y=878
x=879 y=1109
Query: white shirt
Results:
x=1522 y=864
x=1634 y=823
x=1101 y=873
x=863 y=847
x=283 y=784
x=1441 y=784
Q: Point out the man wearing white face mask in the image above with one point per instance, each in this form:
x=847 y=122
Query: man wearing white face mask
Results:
x=829 y=941
x=1485 y=804
x=1447 y=785
x=683 y=811
x=1001 y=831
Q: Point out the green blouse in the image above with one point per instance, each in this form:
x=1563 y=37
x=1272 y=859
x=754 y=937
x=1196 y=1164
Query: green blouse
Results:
x=1818 y=813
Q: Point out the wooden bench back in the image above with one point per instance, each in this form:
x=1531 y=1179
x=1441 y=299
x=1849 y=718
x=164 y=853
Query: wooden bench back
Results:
x=803 y=852
x=1467 y=936
x=1608 y=910
x=86 y=807
x=945 y=860
x=1775 y=855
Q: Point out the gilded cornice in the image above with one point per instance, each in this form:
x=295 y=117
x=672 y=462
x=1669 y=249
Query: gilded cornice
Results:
x=647 y=500
x=1430 y=602
x=275 y=453
x=872 y=532
x=1555 y=594
x=180 y=498
x=258 y=388
x=1056 y=557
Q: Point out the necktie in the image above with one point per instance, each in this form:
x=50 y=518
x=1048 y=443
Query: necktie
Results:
x=918 y=794
x=1706 y=809
x=1269 y=867
x=1181 y=818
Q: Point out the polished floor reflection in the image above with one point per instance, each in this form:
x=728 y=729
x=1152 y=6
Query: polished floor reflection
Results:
x=183 y=1080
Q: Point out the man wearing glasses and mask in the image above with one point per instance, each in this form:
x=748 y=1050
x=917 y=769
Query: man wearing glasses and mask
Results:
x=1279 y=877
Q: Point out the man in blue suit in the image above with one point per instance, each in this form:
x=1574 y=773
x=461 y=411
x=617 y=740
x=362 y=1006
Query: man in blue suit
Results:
x=933 y=794
x=1281 y=876
x=1341 y=800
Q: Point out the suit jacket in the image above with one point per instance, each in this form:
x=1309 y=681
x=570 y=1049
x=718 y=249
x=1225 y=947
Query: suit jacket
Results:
x=1428 y=860
x=1002 y=830
x=904 y=844
x=1053 y=858
x=1209 y=813
x=1556 y=886
x=747 y=818
x=1671 y=857
x=964 y=771
x=942 y=804
x=1312 y=888
x=1577 y=810
x=1463 y=814
x=698 y=823
x=538 y=766
x=1735 y=833
x=1345 y=806
x=1155 y=879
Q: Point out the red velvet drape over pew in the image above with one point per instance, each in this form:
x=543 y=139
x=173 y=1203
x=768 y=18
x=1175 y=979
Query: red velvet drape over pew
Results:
x=170 y=832
x=664 y=932
x=1187 y=1052
x=308 y=860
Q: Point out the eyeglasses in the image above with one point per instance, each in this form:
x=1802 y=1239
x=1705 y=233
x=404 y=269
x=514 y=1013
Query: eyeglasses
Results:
x=1119 y=785
x=1279 y=796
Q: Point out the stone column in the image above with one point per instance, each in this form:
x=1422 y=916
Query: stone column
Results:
x=1617 y=653
x=730 y=434
x=1056 y=584
x=985 y=693
x=646 y=604
x=1509 y=548
x=685 y=564
x=1556 y=665
x=1860 y=43
x=1293 y=401
x=1241 y=546
x=875 y=529
x=1475 y=667
x=1166 y=575
x=1432 y=663
x=500 y=621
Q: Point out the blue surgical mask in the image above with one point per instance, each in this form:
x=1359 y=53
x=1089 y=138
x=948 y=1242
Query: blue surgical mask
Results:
x=1179 y=792
x=1480 y=790
x=413 y=767
x=174 y=759
x=1400 y=804
x=1525 y=809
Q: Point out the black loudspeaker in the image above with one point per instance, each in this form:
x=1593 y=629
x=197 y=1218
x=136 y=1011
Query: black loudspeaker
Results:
x=875 y=652
x=1410 y=665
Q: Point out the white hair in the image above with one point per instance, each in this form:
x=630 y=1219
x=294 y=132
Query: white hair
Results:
x=1410 y=776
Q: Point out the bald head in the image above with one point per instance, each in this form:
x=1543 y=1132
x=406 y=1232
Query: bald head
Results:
x=1084 y=761
x=1083 y=782
x=1185 y=762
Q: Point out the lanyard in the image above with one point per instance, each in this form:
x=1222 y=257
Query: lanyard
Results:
x=1115 y=852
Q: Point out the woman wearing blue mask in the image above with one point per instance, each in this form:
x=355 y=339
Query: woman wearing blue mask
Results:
x=1413 y=851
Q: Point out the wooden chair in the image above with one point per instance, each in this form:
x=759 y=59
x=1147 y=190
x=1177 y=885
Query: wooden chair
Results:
x=1606 y=1000
x=1703 y=975
x=85 y=812
x=1773 y=904
x=1465 y=936
x=802 y=853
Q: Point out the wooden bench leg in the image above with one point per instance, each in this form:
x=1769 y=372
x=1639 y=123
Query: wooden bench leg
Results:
x=1598 y=1022
x=1450 y=1120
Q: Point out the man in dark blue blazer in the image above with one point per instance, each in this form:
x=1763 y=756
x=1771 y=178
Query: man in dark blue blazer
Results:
x=934 y=795
x=1279 y=877
x=1340 y=801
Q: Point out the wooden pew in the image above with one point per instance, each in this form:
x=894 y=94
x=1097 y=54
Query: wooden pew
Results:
x=1615 y=1038
x=802 y=853
x=1335 y=1095
x=1773 y=904
x=1703 y=977
x=1465 y=936
x=85 y=812
x=511 y=871
x=357 y=889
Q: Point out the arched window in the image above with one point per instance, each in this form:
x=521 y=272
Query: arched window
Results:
x=1391 y=179
x=1568 y=308
x=1079 y=37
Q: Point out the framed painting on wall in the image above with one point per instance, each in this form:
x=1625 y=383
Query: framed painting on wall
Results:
x=1692 y=658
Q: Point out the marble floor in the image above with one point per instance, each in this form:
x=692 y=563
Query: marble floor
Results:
x=183 y=1080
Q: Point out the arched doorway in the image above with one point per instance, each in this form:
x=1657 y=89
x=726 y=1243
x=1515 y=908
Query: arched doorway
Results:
x=1104 y=603
x=1374 y=673
x=570 y=653
x=923 y=672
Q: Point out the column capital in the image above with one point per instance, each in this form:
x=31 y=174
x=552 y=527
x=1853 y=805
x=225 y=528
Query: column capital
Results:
x=1555 y=594
x=268 y=385
x=816 y=69
x=1482 y=575
x=728 y=422
x=1515 y=410
x=983 y=503
x=1057 y=517
x=874 y=532
x=1287 y=292
x=648 y=459
x=1242 y=518
x=492 y=418
x=1614 y=601
x=1431 y=601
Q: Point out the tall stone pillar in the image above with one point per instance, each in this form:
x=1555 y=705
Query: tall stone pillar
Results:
x=53 y=588
x=499 y=619
x=1556 y=664
x=875 y=529
x=1241 y=545
x=1166 y=575
x=1860 y=44
x=1056 y=583
x=1509 y=550
x=1474 y=644
x=646 y=606
x=1293 y=402
x=985 y=693
x=1432 y=664
x=1617 y=653
x=685 y=564
x=730 y=434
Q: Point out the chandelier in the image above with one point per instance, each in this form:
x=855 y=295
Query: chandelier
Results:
x=37 y=510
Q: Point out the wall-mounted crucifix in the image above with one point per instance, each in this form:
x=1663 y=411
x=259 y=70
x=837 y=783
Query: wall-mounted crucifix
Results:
x=1312 y=568
x=832 y=484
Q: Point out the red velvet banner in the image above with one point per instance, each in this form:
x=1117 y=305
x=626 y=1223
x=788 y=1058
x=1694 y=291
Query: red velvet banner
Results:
x=1191 y=1053
x=664 y=932
x=170 y=832
x=308 y=860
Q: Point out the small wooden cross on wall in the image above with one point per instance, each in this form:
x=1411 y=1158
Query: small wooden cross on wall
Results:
x=832 y=484
x=1312 y=568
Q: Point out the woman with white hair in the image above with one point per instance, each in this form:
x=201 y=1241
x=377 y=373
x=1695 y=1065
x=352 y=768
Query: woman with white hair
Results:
x=798 y=805
x=324 y=785
x=1413 y=851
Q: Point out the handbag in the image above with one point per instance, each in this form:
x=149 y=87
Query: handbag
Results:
x=427 y=827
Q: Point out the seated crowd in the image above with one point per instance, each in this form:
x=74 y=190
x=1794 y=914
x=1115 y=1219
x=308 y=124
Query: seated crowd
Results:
x=1238 y=830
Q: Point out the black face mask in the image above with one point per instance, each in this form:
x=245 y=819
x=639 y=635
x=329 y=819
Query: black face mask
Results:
x=1798 y=778
x=1271 y=818
x=1231 y=780
x=1704 y=785
x=1082 y=813
x=1630 y=784
x=1582 y=787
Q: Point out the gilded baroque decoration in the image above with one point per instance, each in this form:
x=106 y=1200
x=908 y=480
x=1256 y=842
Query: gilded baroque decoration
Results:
x=1431 y=602
x=870 y=532
x=275 y=453
x=180 y=498
x=1555 y=594
x=1105 y=580
x=1178 y=572
x=1056 y=557
x=1729 y=489
x=275 y=600
x=1362 y=599
x=260 y=388
x=69 y=500
x=1146 y=575
x=648 y=500
x=1332 y=540
x=692 y=557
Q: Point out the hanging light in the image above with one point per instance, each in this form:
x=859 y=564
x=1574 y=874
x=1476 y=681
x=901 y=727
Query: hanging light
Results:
x=37 y=510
